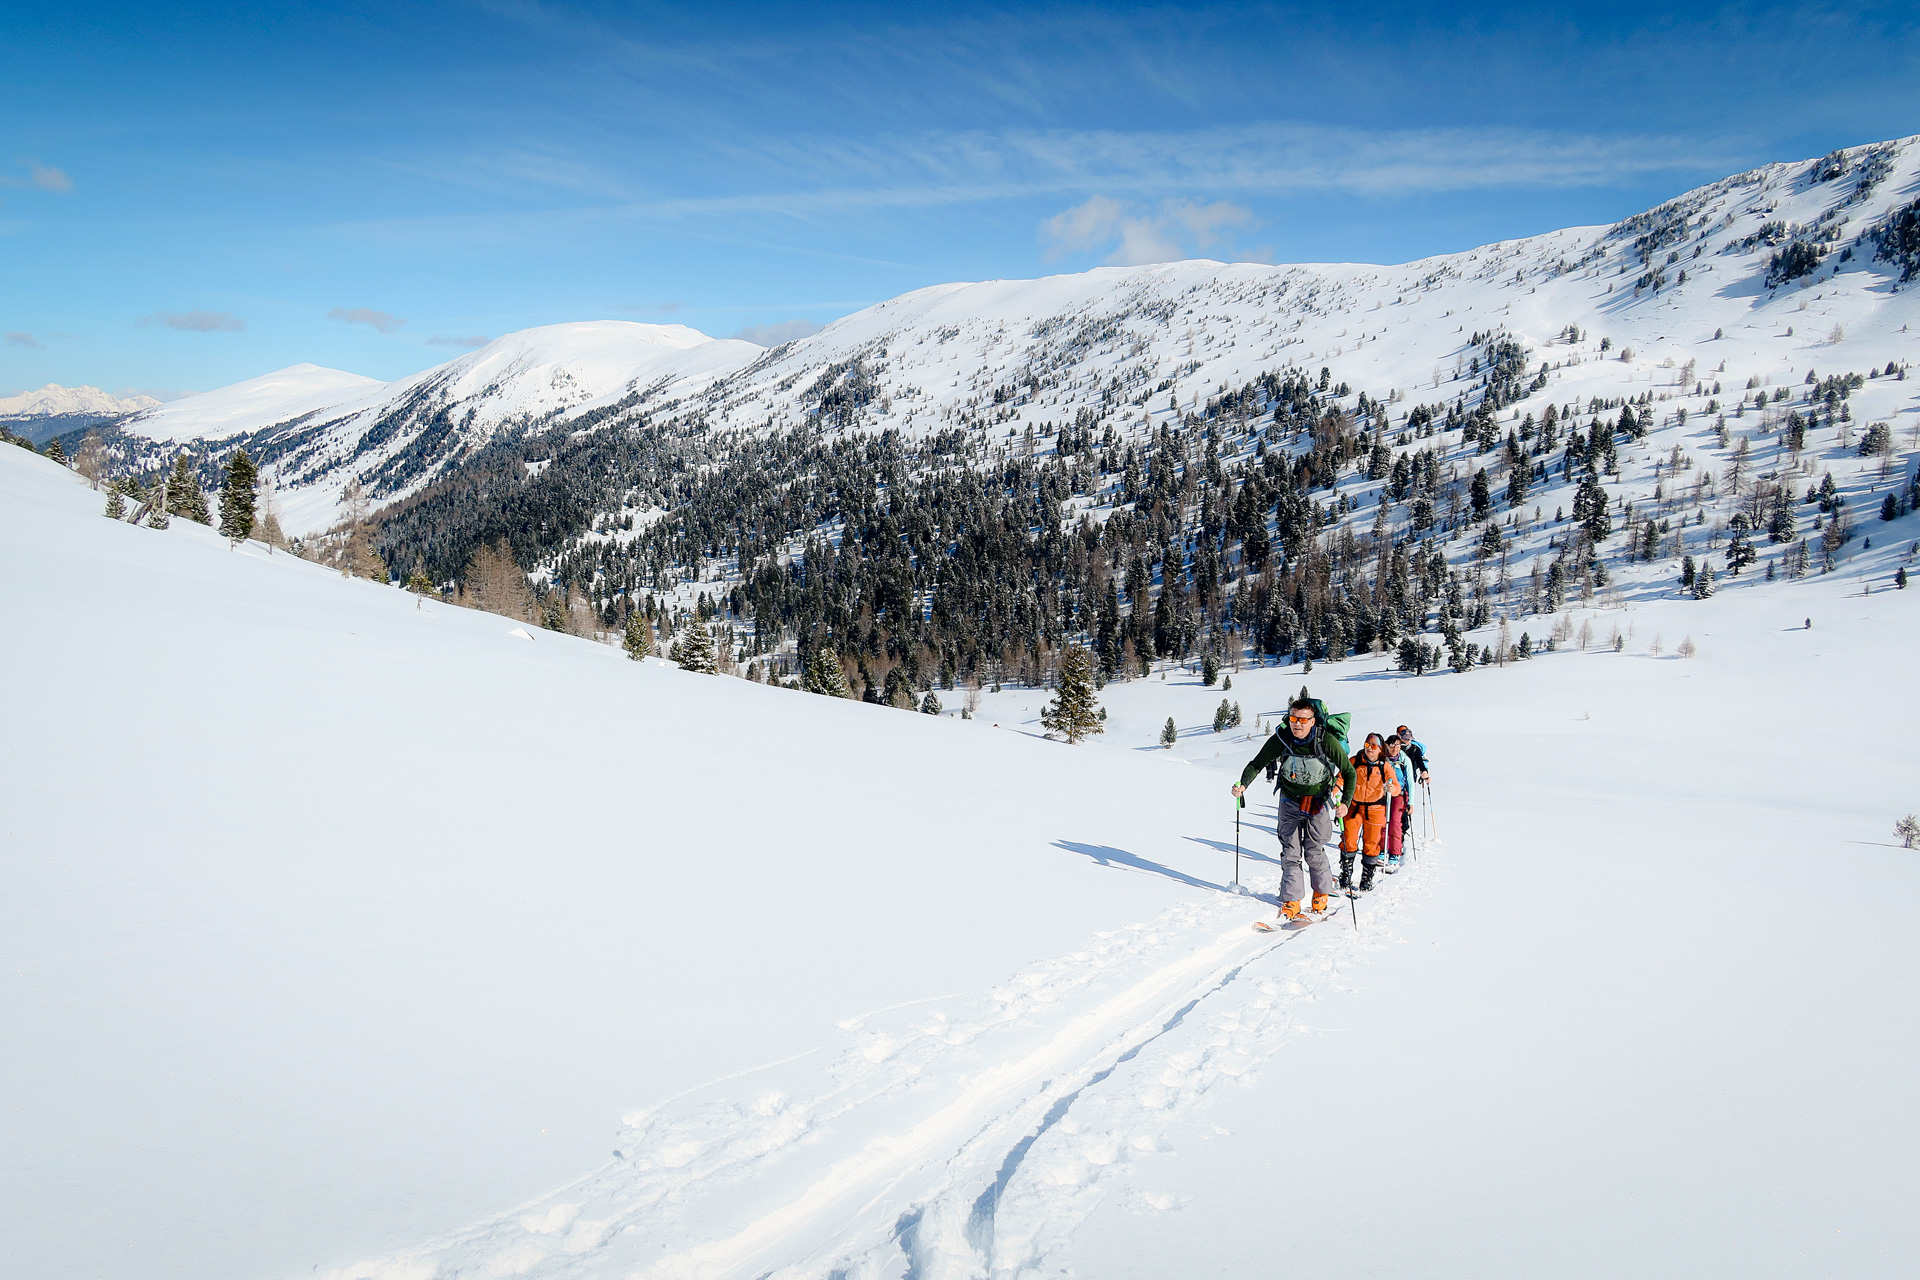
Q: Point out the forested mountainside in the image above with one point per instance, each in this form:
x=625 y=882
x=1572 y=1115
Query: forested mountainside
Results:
x=1298 y=461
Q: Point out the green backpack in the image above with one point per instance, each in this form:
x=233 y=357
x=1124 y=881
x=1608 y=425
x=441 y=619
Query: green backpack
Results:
x=1335 y=722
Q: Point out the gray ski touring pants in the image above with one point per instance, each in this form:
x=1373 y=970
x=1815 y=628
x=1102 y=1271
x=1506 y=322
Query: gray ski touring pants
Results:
x=1303 y=838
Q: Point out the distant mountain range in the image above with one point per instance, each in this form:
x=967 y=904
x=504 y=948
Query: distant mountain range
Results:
x=54 y=410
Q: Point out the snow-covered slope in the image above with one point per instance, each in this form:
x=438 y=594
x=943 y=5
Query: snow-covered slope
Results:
x=56 y=401
x=286 y=397
x=345 y=926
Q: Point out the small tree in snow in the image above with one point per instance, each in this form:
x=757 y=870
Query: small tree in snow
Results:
x=930 y=705
x=638 y=641
x=1169 y=734
x=1908 y=829
x=1075 y=710
x=184 y=498
x=695 y=651
x=824 y=676
x=237 y=497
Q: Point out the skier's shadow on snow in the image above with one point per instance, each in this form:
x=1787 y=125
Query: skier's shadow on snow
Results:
x=1108 y=856
x=1249 y=854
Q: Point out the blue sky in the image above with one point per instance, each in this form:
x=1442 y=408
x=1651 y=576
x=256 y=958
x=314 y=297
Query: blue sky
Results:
x=191 y=197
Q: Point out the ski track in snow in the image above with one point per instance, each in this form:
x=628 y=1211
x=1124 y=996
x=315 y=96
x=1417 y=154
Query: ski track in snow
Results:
x=1001 y=1125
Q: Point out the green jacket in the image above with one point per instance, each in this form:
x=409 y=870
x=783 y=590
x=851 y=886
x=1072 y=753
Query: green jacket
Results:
x=1318 y=755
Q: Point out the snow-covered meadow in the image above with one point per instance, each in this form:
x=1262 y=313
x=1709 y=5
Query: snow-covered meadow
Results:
x=353 y=935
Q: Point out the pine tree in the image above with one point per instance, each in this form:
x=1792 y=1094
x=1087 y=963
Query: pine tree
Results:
x=695 y=651
x=55 y=453
x=237 y=496
x=1169 y=734
x=1209 y=670
x=824 y=676
x=639 y=637
x=930 y=705
x=116 y=504
x=184 y=498
x=1075 y=711
x=1703 y=581
x=1221 y=715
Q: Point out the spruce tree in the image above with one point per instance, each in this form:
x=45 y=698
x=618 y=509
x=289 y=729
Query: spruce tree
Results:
x=1703 y=581
x=930 y=705
x=1222 y=714
x=639 y=638
x=1075 y=711
x=695 y=651
x=824 y=676
x=1209 y=670
x=55 y=453
x=1169 y=734
x=116 y=504
x=237 y=496
x=184 y=498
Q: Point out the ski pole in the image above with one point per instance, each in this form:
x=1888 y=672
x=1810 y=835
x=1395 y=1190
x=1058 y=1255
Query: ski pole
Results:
x=1436 y=812
x=1239 y=803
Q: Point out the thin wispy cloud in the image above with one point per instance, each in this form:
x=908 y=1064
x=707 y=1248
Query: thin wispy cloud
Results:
x=40 y=177
x=381 y=320
x=473 y=343
x=772 y=335
x=25 y=340
x=195 y=321
x=817 y=176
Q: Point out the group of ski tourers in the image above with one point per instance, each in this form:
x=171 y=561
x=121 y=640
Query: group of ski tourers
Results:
x=1317 y=783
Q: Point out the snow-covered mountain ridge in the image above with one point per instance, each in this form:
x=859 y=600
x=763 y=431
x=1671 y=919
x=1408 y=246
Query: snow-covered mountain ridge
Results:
x=1780 y=262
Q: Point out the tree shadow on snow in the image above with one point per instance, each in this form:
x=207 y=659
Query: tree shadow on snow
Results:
x=1108 y=856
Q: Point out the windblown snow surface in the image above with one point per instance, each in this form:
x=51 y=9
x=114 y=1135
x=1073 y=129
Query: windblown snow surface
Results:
x=351 y=935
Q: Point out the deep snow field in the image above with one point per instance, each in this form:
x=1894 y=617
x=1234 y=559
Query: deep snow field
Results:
x=351 y=935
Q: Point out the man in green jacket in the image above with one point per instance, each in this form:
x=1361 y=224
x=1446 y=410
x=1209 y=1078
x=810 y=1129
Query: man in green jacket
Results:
x=1314 y=773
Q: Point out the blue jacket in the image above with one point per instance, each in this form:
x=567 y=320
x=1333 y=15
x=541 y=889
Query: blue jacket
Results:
x=1416 y=751
x=1403 y=772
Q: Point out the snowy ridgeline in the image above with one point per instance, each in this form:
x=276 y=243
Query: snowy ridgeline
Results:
x=361 y=936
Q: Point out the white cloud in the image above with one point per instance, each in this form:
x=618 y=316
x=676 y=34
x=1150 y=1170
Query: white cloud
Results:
x=380 y=320
x=772 y=335
x=25 y=340
x=196 y=321
x=1162 y=234
x=473 y=343
x=48 y=178
x=41 y=177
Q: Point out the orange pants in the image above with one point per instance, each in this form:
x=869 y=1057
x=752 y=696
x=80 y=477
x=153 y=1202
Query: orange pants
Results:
x=1366 y=826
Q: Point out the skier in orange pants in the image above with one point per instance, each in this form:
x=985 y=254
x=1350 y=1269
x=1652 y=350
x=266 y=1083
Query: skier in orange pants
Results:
x=1376 y=783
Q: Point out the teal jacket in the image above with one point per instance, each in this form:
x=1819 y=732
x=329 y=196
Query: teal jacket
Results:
x=1298 y=756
